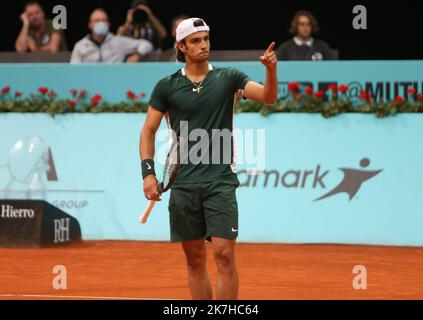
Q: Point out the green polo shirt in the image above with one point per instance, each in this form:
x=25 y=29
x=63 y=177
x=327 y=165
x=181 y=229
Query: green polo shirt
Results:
x=195 y=114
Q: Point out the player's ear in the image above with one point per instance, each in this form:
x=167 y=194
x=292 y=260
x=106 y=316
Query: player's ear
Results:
x=181 y=46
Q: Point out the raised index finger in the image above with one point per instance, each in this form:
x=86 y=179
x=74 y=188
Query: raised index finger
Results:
x=270 y=48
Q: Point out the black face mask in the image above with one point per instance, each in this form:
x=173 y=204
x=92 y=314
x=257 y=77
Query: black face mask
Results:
x=139 y=17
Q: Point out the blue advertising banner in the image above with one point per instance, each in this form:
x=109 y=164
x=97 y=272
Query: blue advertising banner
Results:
x=349 y=179
x=383 y=79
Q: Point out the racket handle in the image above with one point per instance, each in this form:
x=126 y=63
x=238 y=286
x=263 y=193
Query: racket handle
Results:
x=147 y=211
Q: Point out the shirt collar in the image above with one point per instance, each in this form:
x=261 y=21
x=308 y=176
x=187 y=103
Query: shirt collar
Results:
x=106 y=38
x=184 y=73
x=298 y=42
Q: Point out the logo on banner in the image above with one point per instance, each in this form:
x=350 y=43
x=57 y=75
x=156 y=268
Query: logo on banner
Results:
x=379 y=90
x=352 y=181
x=9 y=212
x=61 y=230
x=28 y=171
x=30 y=165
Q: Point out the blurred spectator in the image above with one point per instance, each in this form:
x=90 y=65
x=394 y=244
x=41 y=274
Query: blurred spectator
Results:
x=37 y=33
x=303 y=46
x=102 y=46
x=141 y=23
x=170 y=54
x=175 y=23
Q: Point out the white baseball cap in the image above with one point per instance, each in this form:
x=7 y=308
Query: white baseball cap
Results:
x=190 y=26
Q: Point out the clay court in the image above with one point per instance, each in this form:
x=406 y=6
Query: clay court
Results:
x=156 y=270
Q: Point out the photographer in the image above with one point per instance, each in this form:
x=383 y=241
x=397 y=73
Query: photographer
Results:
x=141 y=23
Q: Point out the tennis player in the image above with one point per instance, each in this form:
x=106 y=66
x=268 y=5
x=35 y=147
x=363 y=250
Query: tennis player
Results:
x=202 y=202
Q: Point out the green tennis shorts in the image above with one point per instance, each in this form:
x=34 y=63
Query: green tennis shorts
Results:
x=204 y=210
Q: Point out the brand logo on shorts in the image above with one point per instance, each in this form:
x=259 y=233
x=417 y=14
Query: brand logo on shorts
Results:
x=234 y=230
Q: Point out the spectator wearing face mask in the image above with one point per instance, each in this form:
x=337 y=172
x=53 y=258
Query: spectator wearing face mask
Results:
x=141 y=23
x=103 y=46
x=38 y=33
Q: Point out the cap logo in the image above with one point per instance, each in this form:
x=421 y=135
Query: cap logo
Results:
x=198 y=23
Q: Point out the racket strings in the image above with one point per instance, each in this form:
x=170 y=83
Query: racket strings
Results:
x=172 y=164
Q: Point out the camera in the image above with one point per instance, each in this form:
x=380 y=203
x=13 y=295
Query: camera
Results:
x=139 y=16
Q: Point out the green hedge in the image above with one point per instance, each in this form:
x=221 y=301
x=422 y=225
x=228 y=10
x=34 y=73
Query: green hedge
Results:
x=306 y=101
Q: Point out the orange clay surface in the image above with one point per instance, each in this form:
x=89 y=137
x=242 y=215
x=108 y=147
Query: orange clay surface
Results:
x=156 y=270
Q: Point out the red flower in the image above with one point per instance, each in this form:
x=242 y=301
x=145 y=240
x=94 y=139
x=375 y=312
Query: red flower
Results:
x=43 y=90
x=399 y=101
x=72 y=103
x=73 y=92
x=131 y=95
x=52 y=94
x=5 y=90
x=95 y=100
x=365 y=96
x=18 y=94
x=82 y=94
x=332 y=87
x=320 y=94
x=293 y=86
x=343 y=88
x=142 y=95
x=412 y=91
x=308 y=90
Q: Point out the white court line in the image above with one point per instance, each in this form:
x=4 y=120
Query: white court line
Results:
x=76 y=297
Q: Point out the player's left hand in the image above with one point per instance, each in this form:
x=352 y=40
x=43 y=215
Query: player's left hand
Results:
x=269 y=58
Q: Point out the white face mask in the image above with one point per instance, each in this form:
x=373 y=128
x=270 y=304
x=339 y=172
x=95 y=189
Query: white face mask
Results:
x=101 y=28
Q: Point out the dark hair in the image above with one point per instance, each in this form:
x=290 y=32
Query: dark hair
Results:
x=180 y=56
x=31 y=3
x=180 y=17
x=136 y=3
x=98 y=9
x=294 y=24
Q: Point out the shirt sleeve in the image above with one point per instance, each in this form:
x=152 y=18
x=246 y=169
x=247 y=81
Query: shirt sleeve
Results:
x=158 y=98
x=129 y=45
x=76 y=56
x=240 y=79
x=326 y=51
x=283 y=51
x=144 y=47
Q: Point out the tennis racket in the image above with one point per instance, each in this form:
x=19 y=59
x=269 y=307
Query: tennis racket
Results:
x=169 y=174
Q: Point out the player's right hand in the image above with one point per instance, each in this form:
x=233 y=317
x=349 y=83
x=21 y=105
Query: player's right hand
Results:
x=151 y=187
